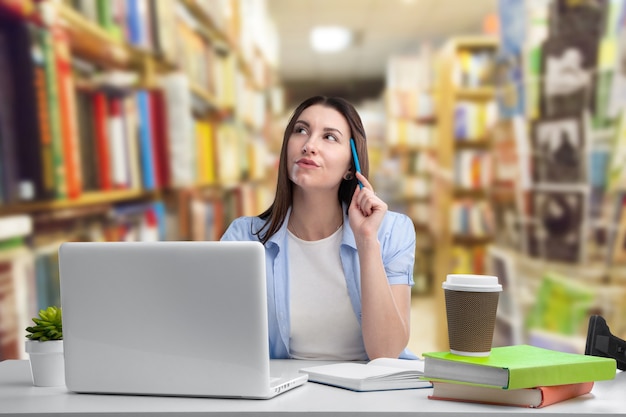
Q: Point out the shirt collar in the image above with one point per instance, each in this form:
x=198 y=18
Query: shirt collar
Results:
x=280 y=237
x=348 y=234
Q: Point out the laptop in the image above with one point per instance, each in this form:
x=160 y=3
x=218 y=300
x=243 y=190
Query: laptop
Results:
x=167 y=318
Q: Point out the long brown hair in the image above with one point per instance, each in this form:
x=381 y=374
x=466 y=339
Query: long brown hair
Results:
x=275 y=215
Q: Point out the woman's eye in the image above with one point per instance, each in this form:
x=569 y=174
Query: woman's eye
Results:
x=331 y=137
x=301 y=130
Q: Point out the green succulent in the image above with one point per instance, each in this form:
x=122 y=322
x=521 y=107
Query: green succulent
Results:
x=48 y=326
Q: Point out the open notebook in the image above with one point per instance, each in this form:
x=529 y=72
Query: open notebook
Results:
x=376 y=375
x=167 y=318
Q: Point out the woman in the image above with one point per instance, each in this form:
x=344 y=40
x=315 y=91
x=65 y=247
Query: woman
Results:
x=339 y=265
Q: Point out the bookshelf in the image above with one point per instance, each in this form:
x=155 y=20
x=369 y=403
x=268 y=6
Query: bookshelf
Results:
x=164 y=104
x=411 y=131
x=461 y=220
x=560 y=275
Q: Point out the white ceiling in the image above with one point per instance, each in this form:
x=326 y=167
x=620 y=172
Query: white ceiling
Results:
x=383 y=28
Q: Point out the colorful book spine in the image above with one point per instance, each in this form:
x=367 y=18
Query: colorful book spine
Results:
x=537 y=397
x=159 y=138
x=67 y=109
x=8 y=140
x=145 y=141
x=130 y=116
x=100 y=104
x=118 y=155
x=52 y=94
x=43 y=117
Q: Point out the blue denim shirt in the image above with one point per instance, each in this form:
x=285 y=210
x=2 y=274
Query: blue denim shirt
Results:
x=397 y=239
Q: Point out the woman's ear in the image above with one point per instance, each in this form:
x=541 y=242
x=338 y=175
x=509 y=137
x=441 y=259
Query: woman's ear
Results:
x=348 y=176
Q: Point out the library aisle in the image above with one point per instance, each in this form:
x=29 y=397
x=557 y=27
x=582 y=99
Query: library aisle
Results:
x=147 y=120
x=423 y=331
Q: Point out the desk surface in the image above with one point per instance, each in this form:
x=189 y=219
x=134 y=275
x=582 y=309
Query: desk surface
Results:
x=19 y=396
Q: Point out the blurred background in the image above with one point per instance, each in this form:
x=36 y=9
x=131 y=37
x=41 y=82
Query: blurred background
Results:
x=495 y=125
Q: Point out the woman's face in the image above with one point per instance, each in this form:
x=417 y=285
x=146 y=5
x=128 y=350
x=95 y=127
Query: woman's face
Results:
x=318 y=151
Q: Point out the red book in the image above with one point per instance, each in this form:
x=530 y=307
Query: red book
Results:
x=525 y=397
x=102 y=140
x=67 y=107
x=158 y=117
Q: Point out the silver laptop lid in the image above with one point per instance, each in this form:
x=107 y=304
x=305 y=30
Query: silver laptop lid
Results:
x=165 y=318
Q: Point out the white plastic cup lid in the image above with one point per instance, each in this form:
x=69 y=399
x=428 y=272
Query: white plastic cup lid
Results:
x=472 y=283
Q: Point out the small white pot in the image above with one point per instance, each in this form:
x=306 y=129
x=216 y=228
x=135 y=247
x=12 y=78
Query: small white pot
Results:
x=46 y=362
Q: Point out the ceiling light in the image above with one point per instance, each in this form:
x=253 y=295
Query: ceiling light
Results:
x=330 y=38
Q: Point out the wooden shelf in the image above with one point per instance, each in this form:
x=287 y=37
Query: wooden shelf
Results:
x=472 y=143
x=475 y=93
x=93 y=43
x=204 y=95
x=449 y=93
x=87 y=199
x=427 y=120
x=404 y=149
x=220 y=39
x=476 y=42
x=469 y=240
x=476 y=193
x=208 y=24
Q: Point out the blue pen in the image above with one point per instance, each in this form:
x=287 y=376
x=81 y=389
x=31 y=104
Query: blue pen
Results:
x=356 y=159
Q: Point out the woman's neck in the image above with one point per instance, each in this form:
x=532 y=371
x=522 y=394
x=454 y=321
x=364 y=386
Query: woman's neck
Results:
x=314 y=218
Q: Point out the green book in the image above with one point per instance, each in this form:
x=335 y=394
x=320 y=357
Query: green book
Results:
x=519 y=366
x=54 y=112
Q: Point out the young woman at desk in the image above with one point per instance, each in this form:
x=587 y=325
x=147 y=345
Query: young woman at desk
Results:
x=339 y=264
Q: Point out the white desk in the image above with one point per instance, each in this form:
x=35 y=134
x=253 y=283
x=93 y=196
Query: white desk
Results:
x=19 y=397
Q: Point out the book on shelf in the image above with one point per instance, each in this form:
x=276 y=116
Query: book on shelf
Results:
x=16 y=284
x=54 y=112
x=473 y=120
x=163 y=28
x=467 y=259
x=518 y=366
x=205 y=154
x=474 y=67
x=24 y=115
x=130 y=119
x=17 y=295
x=158 y=122
x=102 y=142
x=18 y=225
x=145 y=141
x=376 y=375
x=67 y=112
x=536 y=397
x=8 y=136
x=561 y=304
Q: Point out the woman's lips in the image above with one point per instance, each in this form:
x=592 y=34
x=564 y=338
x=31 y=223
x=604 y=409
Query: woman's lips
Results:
x=307 y=163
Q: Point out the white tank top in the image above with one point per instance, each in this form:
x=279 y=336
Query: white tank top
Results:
x=323 y=323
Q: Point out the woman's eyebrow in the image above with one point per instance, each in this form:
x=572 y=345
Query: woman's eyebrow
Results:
x=326 y=129
x=332 y=129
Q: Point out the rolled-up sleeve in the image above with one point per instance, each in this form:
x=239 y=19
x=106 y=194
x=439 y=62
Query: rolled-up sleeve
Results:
x=398 y=249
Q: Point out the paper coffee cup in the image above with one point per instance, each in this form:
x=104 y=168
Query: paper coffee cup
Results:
x=471 y=305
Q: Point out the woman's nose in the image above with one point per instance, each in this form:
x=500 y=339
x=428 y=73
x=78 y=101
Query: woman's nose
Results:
x=310 y=146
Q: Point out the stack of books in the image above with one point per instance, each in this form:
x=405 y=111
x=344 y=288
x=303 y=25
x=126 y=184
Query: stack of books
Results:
x=520 y=375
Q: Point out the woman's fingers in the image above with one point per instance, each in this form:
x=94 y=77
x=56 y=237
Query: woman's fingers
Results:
x=366 y=200
x=364 y=181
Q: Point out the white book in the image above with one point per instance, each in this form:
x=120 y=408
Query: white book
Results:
x=15 y=226
x=377 y=375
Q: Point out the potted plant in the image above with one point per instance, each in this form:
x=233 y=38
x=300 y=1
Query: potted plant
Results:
x=45 y=348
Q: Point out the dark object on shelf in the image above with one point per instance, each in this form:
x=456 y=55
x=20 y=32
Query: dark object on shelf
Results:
x=600 y=342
